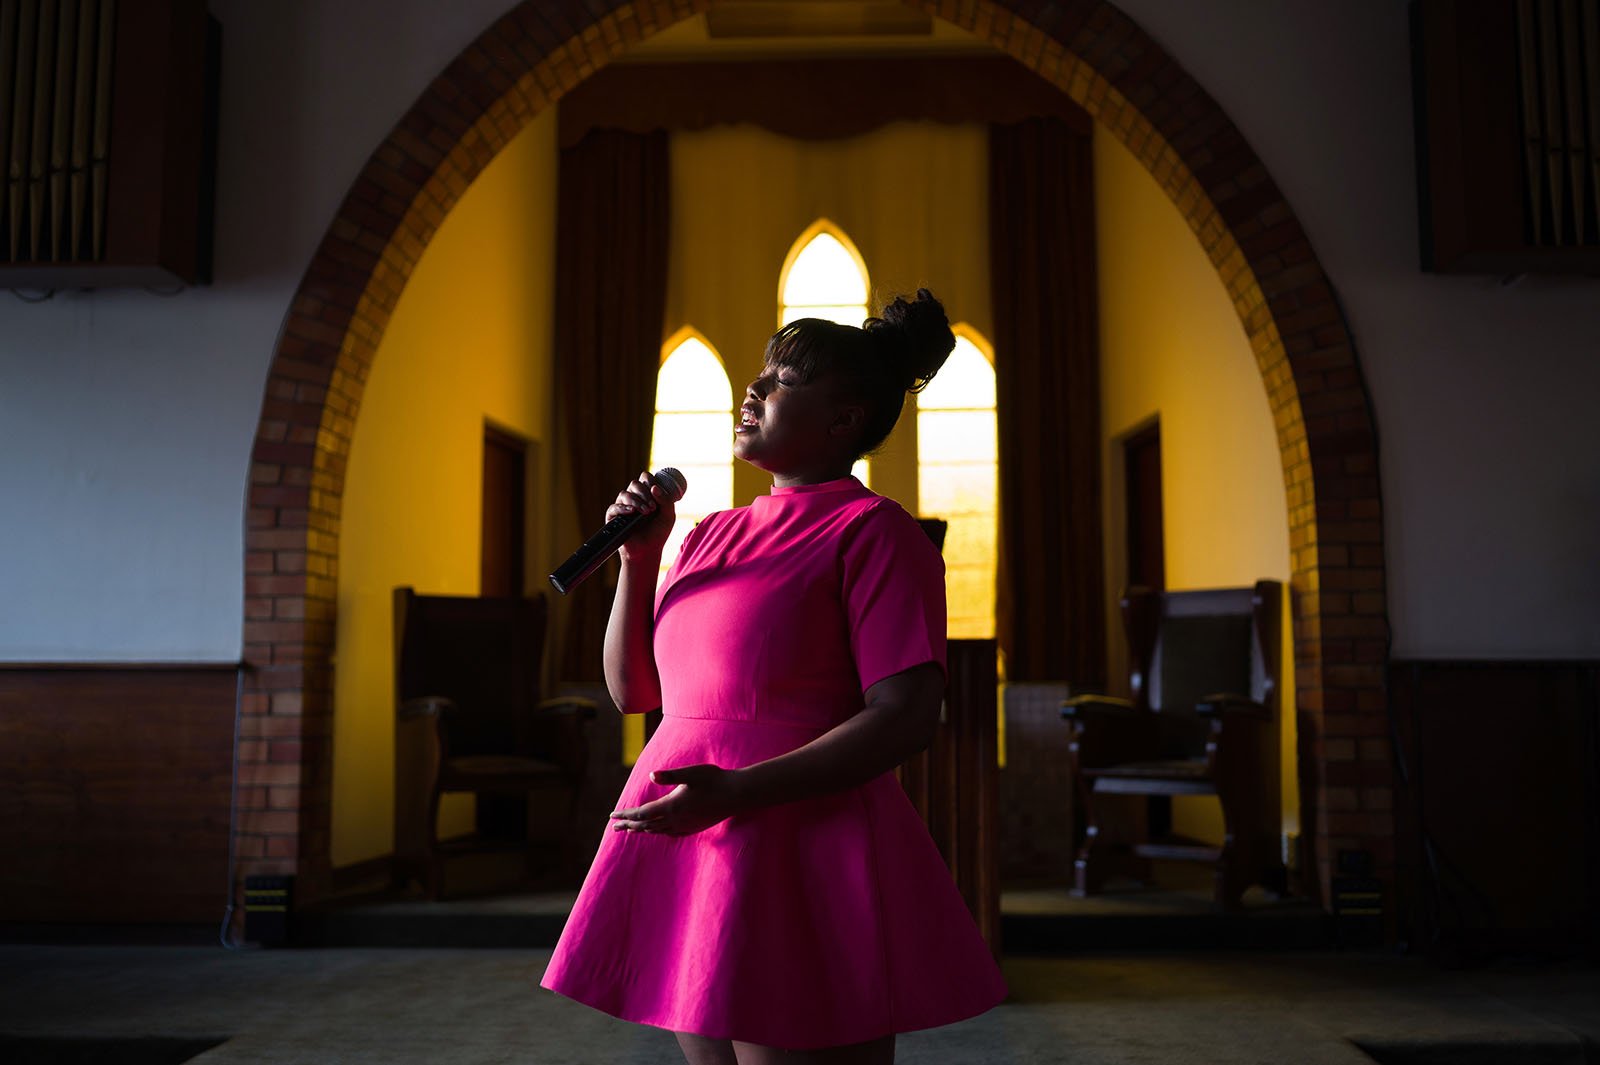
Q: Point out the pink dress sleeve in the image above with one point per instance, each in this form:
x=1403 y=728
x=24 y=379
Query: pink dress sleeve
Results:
x=893 y=587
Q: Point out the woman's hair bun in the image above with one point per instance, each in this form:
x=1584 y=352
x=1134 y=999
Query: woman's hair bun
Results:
x=916 y=336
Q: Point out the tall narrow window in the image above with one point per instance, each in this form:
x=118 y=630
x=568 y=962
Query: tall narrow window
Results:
x=693 y=431
x=958 y=478
x=825 y=277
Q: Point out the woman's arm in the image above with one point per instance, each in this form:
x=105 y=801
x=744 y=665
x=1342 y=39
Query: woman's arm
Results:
x=899 y=720
x=630 y=661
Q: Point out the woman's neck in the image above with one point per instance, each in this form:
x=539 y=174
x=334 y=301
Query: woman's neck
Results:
x=818 y=475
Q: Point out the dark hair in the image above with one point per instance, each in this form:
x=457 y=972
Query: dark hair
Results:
x=888 y=356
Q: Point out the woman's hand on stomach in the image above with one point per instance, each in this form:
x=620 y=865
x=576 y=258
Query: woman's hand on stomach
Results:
x=705 y=794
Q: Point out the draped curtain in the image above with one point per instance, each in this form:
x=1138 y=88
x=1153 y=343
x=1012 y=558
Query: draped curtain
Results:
x=611 y=290
x=1051 y=595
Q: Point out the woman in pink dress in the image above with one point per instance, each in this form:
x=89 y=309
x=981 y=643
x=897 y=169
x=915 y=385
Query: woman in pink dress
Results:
x=767 y=891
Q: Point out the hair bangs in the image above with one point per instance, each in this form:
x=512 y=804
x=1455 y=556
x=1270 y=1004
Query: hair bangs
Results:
x=806 y=347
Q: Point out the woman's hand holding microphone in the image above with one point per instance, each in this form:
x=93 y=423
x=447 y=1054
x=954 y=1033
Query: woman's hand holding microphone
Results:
x=644 y=495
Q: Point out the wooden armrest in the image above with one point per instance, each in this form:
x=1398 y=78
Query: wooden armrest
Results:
x=1083 y=705
x=426 y=706
x=1104 y=730
x=1229 y=704
x=569 y=705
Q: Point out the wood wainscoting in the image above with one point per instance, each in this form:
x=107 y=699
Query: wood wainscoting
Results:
x=1497 y=804
x=115 y=791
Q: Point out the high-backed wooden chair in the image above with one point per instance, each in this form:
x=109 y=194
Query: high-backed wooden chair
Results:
x=1203 y=720
x=469 y=719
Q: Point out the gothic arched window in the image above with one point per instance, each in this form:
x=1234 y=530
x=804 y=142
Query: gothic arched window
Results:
x=825 y=277
x=693 y=431
x=958 y=478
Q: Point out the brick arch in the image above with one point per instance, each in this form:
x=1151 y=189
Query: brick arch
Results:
x=540 y=50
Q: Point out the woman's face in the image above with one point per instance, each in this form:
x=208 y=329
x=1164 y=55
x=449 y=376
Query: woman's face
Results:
x=786 y=427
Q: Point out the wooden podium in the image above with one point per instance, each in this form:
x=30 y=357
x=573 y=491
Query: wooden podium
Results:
x=953 y=784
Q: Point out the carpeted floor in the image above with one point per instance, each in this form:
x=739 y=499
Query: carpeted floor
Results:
x=444 y=1007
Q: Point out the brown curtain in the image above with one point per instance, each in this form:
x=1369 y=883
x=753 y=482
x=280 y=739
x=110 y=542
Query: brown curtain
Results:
x=611 y=292
x=1051 y=598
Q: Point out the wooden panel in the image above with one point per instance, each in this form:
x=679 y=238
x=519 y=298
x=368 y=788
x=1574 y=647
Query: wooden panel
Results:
x=812 y=99
x=114 y=792
x=1478 y=210
x=118 y=184
x=1039 y=819
x=1498 y=808
x=953 y=783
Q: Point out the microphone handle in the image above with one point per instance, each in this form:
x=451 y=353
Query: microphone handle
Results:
x=595 y=550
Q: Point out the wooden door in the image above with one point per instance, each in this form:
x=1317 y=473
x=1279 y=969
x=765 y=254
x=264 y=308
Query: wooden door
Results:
x=1146 y=558
x=504 y=545
x=500 y=574
x=1146 y=539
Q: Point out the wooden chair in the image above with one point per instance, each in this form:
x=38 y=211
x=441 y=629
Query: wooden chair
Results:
x=469 y=719
x=1203 y=720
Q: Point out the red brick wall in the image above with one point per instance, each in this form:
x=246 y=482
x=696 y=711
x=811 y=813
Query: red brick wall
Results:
x=524 y=63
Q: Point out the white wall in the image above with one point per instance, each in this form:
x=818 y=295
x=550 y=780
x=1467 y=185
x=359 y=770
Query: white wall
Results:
x=126 y=418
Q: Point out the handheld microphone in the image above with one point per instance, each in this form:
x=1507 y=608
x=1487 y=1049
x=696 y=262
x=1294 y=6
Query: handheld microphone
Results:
x=603 y=544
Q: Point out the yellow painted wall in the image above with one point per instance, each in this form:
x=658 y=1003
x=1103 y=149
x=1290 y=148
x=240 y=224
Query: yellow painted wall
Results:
x=1171 y=345
x=912 y=196
x=469 y=343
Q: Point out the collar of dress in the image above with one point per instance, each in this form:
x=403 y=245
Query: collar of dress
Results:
x=838 y=485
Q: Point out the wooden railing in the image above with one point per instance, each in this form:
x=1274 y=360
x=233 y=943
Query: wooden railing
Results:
x=953 y=784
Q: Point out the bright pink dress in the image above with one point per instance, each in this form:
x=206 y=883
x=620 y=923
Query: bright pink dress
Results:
x=813 y=923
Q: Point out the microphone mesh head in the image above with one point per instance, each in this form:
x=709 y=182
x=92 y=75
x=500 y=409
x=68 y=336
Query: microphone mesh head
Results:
x=671 y=481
